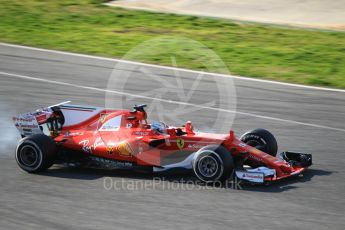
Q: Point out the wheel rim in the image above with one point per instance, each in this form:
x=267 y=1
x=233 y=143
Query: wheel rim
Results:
x=28 y=156
x=208 y=166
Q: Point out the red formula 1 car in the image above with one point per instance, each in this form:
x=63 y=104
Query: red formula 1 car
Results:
x=97 y=137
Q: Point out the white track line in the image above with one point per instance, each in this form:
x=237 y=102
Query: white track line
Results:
x=12 y=75
x=173 y=68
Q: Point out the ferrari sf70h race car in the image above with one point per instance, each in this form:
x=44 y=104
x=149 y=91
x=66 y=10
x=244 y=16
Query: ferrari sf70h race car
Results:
x=108 y=138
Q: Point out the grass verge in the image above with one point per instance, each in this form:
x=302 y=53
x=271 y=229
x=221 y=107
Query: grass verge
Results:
x=87 y=26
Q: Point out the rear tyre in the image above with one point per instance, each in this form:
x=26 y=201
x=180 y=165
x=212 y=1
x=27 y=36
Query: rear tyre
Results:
x=262 y=140
x=36 y=153
x=213 y=163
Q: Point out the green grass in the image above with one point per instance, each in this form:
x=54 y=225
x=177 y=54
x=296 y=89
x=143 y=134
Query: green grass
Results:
x=254 y=50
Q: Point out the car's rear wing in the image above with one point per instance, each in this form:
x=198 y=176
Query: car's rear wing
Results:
x=49 y=119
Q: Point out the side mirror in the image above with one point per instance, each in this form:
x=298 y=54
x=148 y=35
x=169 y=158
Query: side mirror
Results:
x=171 y=132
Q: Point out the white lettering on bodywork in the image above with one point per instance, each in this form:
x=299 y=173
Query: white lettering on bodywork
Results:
x=86 y=148
x=98 y=142
x=86 y=145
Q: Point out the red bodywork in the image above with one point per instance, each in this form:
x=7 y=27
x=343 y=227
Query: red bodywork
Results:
x=135 y=141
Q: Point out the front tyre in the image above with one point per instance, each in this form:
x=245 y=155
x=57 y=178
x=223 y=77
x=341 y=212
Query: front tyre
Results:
x=36 y=153
x=262 y=140
x=213 y=164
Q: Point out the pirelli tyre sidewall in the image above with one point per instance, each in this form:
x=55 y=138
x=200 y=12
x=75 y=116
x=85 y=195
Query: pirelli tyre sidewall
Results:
x=36 y=153
x=261 y=139
x=213 y=164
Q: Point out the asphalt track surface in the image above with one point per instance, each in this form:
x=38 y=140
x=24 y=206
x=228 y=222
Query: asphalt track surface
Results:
x=302 y=119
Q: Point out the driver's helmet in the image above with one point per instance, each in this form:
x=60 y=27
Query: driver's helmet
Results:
x=160 y=127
